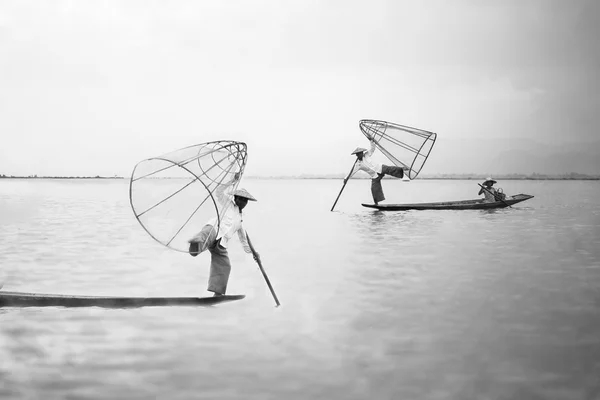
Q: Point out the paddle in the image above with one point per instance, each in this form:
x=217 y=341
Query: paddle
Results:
x=345 y=181
x=498 y=198
x=257 y=259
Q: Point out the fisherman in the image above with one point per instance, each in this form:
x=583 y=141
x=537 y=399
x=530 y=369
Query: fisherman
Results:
x=216 y=241
x=491 y=194
x=375 y=170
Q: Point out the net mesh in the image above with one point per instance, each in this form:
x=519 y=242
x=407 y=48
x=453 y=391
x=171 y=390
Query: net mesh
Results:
x=172 y=195
x=405 y=146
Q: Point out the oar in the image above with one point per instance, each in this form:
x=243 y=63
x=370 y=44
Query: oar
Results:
x=337 y=198
x=257 y=258
x=495 y=196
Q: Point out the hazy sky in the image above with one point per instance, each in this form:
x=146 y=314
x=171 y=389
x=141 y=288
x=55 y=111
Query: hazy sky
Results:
x=93 y=87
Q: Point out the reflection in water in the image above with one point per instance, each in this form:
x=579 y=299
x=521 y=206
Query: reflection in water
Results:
x=375 y=224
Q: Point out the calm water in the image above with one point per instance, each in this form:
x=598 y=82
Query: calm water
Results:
x=402 y=305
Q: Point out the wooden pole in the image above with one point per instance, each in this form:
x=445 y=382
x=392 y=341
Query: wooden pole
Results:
x=257 y=259
x=345 y=181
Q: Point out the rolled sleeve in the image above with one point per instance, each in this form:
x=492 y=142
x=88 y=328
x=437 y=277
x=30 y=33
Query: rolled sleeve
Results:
x=371 y=149
x=244 y=240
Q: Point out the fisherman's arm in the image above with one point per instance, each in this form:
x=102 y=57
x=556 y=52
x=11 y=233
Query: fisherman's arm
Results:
x=245 y=244
x=223 y=193
x=371 y=150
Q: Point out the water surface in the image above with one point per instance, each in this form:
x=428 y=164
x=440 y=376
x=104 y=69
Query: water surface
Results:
x=497 y=304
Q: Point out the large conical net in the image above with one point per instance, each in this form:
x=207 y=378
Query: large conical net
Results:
x=405 y=146
x=173 y=195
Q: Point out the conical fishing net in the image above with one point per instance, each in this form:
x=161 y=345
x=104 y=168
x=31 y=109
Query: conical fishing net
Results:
x=404 y=146
x=173 y=195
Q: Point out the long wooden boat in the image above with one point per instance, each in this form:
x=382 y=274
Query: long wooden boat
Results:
x=16 y=299
x=477 y=204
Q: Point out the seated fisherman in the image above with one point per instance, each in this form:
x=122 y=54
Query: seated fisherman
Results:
x=491 y=194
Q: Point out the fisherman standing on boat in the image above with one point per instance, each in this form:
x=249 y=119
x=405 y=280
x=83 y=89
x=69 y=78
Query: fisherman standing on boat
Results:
x=491 y=194
x=375 y=170
x=216 y=241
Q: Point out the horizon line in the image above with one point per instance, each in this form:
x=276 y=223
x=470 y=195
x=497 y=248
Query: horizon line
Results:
x=466 y=176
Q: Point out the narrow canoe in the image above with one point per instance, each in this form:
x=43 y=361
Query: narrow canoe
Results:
x=16 y=299
x=477 y=204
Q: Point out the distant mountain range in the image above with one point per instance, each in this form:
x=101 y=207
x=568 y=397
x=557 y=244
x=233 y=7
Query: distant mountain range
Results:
x=491 y=156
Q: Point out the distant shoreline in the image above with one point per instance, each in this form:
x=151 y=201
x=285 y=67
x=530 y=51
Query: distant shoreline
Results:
x=61 y=177
x=454 y=178
x=511 y=177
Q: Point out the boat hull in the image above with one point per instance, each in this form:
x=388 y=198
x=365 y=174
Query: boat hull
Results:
x=477 y=204
x=17 y=299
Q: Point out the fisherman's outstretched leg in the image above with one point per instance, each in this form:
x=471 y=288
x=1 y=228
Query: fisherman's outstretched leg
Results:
x=202 y=240
x=376 y=189
x=220 y=268
x=396 y=172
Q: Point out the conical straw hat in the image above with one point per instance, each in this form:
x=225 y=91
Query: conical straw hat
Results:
x=244 y=193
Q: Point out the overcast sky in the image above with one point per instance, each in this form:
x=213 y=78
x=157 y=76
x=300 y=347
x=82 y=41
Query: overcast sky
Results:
x=93 y=87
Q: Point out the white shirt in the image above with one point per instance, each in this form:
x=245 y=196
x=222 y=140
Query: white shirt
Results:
x=231 y=218
x=366 y=164
x=489 y=195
